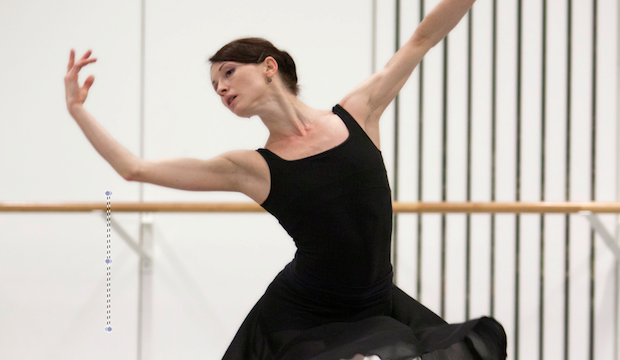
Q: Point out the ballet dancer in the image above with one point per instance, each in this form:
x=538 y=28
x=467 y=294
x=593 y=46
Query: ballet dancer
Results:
x=321 y=174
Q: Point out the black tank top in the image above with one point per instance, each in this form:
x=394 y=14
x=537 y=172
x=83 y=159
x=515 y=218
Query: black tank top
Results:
x=337 y=207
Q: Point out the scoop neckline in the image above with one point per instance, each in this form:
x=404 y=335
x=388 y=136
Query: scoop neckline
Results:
x=321 y=153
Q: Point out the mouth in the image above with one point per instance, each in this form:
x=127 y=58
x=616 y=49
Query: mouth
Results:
x=230 y=99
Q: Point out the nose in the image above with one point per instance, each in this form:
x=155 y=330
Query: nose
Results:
x=222 y=89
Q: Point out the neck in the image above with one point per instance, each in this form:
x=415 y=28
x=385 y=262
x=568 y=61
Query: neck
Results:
x=286 y=116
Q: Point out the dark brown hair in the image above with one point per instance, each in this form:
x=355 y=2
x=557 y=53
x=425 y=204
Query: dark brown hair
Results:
x=255 y=51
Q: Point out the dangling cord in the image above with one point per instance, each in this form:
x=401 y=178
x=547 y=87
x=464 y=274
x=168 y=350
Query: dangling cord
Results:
x=108 y=262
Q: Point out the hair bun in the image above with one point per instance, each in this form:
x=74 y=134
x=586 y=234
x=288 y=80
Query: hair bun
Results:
x=290 y=65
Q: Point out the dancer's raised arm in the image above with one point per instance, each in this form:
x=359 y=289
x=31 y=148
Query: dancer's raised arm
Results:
x=121 y=159
x=368 y=101
x=242 y=171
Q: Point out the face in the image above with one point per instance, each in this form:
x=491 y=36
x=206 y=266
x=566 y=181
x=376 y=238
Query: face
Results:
x=238 y=85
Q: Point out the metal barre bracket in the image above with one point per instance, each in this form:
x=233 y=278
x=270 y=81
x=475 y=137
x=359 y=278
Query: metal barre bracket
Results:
x=147 y=219
x=598 y=226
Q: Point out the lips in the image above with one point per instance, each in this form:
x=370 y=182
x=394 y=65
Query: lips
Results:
x=230 y=99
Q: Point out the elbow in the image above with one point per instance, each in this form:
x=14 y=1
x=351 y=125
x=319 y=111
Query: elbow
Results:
x=130 y=174
x=134 y=170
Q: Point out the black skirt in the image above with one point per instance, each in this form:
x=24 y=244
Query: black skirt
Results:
x=300 y=319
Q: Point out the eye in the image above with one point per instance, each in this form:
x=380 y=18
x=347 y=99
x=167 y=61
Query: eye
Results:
x=230 y=72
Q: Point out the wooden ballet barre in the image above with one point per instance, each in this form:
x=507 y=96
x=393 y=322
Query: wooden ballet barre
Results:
x=398 y=207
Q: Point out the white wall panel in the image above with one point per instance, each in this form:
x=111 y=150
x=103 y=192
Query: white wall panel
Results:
x=53 y=287
x=406 y=265
x=456 y=172
x=505 y=225
x=530 y=177
x=51 y=265
x=481 y=159
x=555 y=179
x=606 y=299
x=35 y=39
x=580 y=177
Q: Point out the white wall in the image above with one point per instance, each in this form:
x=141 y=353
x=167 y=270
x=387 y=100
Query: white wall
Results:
x=211 y=268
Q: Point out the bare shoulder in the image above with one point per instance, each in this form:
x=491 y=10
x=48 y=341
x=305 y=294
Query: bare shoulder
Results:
x=356 y=103
x=254 y=179
x=249 y=161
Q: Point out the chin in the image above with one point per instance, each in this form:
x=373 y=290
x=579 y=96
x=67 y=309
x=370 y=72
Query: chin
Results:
x=242 y=113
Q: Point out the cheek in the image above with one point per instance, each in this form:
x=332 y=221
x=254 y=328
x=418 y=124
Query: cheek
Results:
x=254 y=87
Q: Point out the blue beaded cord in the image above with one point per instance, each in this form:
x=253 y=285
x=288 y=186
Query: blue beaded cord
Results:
x=108 y=262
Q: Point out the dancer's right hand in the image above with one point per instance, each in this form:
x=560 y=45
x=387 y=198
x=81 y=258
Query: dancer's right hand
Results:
x=75 y=94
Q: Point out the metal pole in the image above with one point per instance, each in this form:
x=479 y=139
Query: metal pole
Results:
x=145 y=296
x=144 y=284
x=617 y=229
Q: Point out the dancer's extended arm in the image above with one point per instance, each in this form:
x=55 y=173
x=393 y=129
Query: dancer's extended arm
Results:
x=368 y=101
x=243 y=171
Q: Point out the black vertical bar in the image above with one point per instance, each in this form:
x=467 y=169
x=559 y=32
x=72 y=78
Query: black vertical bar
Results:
x=567 y=195
x=493 y=151
x=396 y=147
x=420 y=162
x=444 y=175
x=469 y=121
x=616 y=288
x=593 y=170
x=543 y=162
x=518 y=190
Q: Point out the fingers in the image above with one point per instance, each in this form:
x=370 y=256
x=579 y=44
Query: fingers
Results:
x=89 y=82
x=87 y=54
x=83 y=62
x=71 y=60
x=75 y=67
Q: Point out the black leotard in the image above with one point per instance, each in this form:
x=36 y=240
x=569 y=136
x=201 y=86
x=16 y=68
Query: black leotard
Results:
x=336 y=298
x=336 y=206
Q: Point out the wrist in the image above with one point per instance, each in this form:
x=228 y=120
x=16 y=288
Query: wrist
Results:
x=75 y=108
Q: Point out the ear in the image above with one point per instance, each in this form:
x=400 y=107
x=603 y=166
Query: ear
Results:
x=271 y=66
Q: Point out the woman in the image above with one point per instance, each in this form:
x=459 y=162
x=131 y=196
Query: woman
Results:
x=322 y=175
